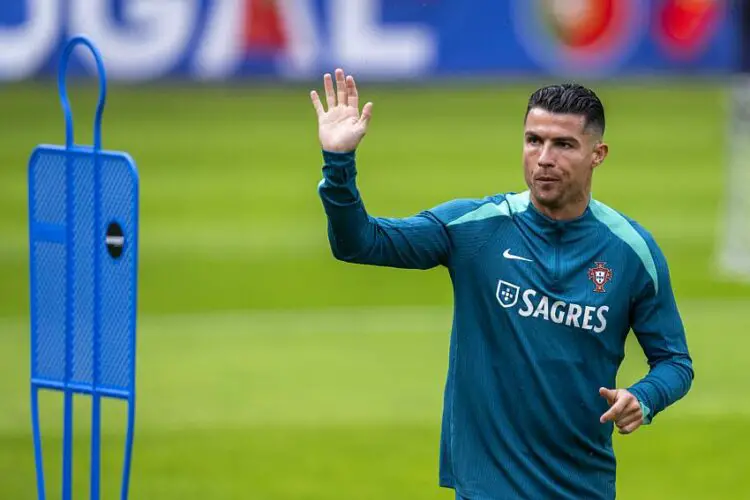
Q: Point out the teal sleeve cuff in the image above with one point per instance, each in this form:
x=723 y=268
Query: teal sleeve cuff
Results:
x=342 y=160
x=646 y=413
x=636 y=390
x=339 y=170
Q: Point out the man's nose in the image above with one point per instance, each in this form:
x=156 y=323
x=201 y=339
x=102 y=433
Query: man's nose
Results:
x=546 y=158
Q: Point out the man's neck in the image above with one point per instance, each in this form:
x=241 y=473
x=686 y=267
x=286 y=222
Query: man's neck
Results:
x=568 y=211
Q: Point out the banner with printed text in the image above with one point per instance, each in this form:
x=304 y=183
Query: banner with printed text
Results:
x=204 y=40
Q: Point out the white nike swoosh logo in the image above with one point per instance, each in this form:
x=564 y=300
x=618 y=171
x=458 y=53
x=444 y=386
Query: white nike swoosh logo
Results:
x=510 y=256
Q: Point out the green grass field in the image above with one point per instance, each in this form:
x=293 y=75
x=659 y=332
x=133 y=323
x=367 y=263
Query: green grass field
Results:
x=269 y=370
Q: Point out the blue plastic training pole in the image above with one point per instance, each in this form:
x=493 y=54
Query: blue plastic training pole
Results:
x=69 y=140
x=83 y=234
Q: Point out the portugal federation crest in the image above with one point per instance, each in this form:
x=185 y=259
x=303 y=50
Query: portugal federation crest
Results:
x=507 y=293
x=600 y=275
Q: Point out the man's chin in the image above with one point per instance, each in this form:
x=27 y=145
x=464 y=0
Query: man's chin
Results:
x=547 y=198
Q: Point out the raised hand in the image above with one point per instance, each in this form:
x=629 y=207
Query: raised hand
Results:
x=341 y=127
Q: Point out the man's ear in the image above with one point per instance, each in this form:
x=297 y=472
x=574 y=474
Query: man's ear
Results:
x=601 y=150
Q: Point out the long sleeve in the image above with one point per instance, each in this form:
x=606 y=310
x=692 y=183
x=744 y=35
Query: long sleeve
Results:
x=657 y=324
x=417 y=242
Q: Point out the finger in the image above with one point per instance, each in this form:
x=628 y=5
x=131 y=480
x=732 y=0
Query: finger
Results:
x=316 y=103
x=609 y=394
x=627 y=419
x=341 y=88
x=330 y=95
x=630 y=414
x=366 y=115
x=631 y=427
x=615 y=411
x=351 y=89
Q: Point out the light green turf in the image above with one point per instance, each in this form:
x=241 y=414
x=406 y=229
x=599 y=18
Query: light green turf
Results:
x=269 y=370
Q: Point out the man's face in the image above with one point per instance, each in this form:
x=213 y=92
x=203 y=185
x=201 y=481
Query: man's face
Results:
x=559 y=156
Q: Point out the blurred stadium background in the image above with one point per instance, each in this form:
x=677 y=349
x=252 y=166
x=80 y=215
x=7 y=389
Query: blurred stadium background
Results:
x=269 y=370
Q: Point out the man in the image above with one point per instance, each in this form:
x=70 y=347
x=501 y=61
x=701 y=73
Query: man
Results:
x=547 y=284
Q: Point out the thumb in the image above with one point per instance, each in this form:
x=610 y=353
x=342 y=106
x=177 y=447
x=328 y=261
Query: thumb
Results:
x=609 y=394
x=364 y=119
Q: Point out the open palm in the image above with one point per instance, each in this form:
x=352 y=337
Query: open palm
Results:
x=341 y=127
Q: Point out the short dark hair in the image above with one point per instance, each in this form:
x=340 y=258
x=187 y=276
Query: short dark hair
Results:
x=570 y=98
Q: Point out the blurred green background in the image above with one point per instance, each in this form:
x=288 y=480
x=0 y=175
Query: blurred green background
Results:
x=269 y=370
